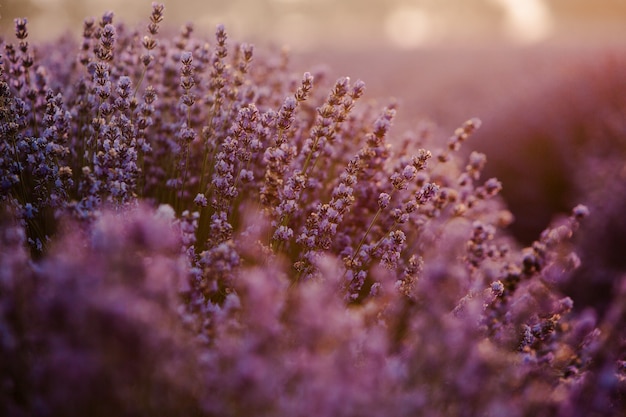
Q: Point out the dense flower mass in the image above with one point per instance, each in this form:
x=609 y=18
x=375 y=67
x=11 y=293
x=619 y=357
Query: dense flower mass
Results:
x=189 y=229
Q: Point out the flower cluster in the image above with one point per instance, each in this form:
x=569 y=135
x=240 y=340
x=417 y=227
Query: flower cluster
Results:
x=186 y=230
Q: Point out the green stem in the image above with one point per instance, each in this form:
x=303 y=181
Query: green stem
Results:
x=140 y=81
x=369 y=228
x=205 y=161
x=182 y=187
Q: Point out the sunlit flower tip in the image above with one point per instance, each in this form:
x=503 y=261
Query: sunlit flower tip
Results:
x=383 y=200
x=580 y=212
x=420 y=160
x=186 y=58
x=493 y=186
x=341 y=86
x=186 y=134
x=148 y=43
x=109 y=31
x=157 y=12
x=409 y=172
x=572 y=261
x=289 y=104
x=305 y=88
x=375 y=289
x=473 y=123
x=283 y=233
x=477 y=161
x=21 y=31
x=107 y=18
x=566 y=304
x=426 y=193
x=358 y=89
x=220 y=34
x=248 y=50
x=497 y=288
x=200 y=200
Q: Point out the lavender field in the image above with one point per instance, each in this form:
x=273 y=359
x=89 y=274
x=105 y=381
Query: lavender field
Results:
x=192 y=225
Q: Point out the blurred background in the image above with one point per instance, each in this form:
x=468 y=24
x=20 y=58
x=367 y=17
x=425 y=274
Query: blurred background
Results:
x=362 y=24
x=446 y=60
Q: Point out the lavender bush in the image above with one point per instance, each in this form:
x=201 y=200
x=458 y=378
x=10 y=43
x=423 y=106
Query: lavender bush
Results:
x=567 y=143
x=189 y=229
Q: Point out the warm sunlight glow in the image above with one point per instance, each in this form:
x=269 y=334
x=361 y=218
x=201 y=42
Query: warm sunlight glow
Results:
x=298 y=28
x=408 y=27
x=46 y=3
x=527 y=21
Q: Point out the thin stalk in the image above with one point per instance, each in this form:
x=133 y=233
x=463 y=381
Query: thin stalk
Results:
x=369 y=228
x=205 y=161
x=140 y=80
x=182 y=187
